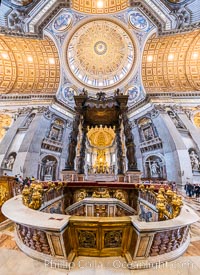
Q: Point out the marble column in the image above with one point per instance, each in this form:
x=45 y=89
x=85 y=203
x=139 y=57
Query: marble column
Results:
x=120 y=166
x=81 y=164
x=10 y=135
x=194 y=131
x=28 y=156
x=65 y=141
x=176 y=155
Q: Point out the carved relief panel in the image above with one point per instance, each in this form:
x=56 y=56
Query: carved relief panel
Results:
x=147 y=130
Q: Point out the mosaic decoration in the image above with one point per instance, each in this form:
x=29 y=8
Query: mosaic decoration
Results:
x=176 y=1
x=28 y=65
x=196 y=120
x=92 y=7
x=172 y=64
x=62 y=22
x=5 y=122
x=21 y=2
x=100 y=54
x=101 y=137
x=133 y=93
x=138 y=21
x=68 y=93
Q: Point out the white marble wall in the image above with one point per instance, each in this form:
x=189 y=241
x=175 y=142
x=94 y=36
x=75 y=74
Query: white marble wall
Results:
x=175 y=143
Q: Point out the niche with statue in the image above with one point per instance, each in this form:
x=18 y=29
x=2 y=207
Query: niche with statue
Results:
x=48 y=168
x=29 y=120
x=155 y=167
x=194 y=160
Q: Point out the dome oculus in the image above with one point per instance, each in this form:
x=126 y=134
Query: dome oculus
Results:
x=100 y=54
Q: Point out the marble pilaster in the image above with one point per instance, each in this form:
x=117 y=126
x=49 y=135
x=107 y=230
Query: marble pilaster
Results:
x=194 y=131
x=10 y=135
x=175 y=152
x=29 y=152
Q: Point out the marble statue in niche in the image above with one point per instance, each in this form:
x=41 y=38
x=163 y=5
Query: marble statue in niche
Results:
x=194 y=159
x=176 y=120
x=155 y=167
x=29 y=120
x=48 y=168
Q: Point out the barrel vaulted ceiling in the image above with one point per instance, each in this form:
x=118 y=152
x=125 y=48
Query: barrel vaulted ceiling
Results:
x=172 y=63
x=28 y=66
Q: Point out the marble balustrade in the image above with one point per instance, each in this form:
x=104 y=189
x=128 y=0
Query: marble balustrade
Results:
x=60 y=238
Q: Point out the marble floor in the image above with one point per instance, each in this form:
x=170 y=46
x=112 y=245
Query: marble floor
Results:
x=13 y=261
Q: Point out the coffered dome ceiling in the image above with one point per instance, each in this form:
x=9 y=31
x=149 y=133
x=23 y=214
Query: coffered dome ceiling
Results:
x=101 y=137
x=100 y=54
x=99 y=6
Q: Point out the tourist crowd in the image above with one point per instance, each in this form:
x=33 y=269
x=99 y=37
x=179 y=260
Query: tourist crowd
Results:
x=24 y=181
x=192 y=190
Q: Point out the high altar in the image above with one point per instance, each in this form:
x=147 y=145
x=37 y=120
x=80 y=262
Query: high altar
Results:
x=105 y=129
